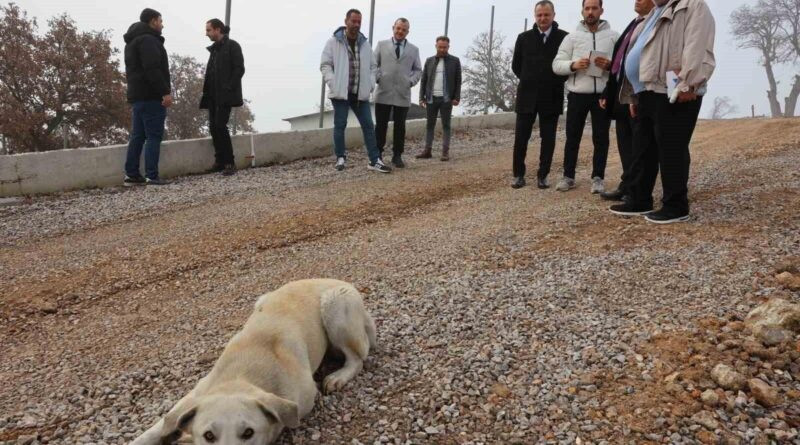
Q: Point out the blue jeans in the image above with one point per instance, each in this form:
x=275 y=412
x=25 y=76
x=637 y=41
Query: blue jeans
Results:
x=146 y=133
x=363 y=112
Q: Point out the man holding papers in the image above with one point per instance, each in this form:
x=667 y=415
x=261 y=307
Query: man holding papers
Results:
x=584 y=56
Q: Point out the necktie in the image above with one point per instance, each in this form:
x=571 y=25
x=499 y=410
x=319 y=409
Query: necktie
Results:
x=397 y=49
x=544 y=38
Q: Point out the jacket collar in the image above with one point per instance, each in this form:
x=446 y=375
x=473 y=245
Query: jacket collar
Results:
x=220 y=43
x=604 y=25
x=339 y=35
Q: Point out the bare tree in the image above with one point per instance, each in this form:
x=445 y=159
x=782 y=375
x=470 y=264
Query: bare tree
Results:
x=489 y=83
x=788 y=14
x=723 y=107
x=757 y=28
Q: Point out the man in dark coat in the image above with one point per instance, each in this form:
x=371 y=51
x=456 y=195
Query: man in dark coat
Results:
x=149 y=93
x=540 y=91
x=620 y=112
x=222 y=90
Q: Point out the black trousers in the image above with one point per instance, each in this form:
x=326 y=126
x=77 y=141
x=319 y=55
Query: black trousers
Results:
x=383 y=113
x=218 y=118
x=661 y=140
x=548 y=125
x=624 y=127
x=579 y=106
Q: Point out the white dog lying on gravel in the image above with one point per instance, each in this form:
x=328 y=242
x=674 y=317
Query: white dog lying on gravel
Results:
x=263 y=381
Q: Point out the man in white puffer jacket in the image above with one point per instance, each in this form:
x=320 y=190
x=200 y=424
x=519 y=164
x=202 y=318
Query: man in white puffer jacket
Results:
x=593 y=34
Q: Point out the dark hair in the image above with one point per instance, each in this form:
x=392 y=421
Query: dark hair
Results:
x=545 y=3
x=443 y=39
x=148 y=14
x=583 y=3
x=351 y=12
x=219 y=24
x=402 y=20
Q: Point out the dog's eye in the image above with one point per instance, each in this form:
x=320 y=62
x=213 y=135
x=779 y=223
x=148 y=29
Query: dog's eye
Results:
x=248 y=433
x=209 y=436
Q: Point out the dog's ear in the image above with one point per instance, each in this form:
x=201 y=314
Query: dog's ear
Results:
x=282 y=410
x=177 y=420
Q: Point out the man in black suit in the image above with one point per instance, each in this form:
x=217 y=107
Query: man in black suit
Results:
x=618 y=111
x=540 y=91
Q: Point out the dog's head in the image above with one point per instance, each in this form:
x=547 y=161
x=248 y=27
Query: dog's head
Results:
x=239 y=419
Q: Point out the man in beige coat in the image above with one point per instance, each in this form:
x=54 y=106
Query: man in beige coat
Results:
x=676 y=40
x=399 y=69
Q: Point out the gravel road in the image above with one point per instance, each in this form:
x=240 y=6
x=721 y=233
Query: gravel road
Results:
x=504 y=316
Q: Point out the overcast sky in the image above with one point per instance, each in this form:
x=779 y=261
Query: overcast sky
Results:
x=282 y=40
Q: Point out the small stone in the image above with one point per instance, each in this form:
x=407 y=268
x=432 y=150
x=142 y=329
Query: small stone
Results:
x=706 y=437
x=709 y=398
x=705 y=419
x=773 y=336
x=431 y=430
x=727 y=378
x=762 y=423
x=764 y=394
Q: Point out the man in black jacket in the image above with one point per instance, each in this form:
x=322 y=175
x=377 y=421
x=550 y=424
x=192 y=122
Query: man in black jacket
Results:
x=540 y=91
x=149 y=92
x=439 y=92
x=222 y=90
x=620 y=112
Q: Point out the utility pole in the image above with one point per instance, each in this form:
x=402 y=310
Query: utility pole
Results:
x=447 y=19
x=322 y=104
x=526 y=25
x=228 y=24
x=491 y=63
x=371 y=21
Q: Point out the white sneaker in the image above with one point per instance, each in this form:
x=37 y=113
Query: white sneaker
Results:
x=379 y=167
x=598 y=186
x=565 y=184
x=340 y=164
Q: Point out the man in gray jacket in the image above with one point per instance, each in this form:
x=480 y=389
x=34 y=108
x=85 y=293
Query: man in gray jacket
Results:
x=399 y=69
x=349 y=71
x=585 y=85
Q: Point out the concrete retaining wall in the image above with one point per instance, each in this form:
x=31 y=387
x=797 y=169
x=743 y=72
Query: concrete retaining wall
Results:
x=61 y=170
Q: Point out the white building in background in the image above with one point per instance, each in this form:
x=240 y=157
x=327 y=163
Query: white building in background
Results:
x=311 y=121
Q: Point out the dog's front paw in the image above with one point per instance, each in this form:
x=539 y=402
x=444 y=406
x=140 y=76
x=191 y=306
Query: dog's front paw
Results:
x=334 y=383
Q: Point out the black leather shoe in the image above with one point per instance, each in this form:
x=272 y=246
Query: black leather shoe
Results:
x=397 y=161
x=542 y=183
x=518 y=183
x=614 y=195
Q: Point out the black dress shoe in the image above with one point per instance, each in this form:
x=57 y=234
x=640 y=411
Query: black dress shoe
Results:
x=397 y=161
x=518 y=183
x=542 y=183
x=615 y=195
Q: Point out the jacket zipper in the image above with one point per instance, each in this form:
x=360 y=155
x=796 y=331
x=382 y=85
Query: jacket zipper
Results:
x=594 y=47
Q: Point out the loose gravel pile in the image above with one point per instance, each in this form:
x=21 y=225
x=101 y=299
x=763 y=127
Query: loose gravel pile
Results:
x=503 y=316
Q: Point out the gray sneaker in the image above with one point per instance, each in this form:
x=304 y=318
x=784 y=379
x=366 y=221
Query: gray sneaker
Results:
x=565 y=184
x=598 y=186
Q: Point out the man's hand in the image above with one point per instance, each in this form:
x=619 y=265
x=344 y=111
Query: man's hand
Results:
x=166 y=101
x=456 y=102
x=423 y=104
x=686 y=97
x=581 y=64
x=603 y=103
x=634 y=110
x=603 y=63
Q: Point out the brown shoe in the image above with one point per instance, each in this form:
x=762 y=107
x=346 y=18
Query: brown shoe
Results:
x=426 y=154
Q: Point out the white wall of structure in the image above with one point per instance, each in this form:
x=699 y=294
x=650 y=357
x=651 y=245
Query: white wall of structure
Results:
x=62 y=170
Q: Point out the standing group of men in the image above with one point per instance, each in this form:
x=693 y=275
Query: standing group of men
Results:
x=352 y=70
x=650 y=79
x=150 y=94
x=625 y=78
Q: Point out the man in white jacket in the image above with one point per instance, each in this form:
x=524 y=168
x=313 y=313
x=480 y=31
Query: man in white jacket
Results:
x=349 y=69
x=585 y=87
